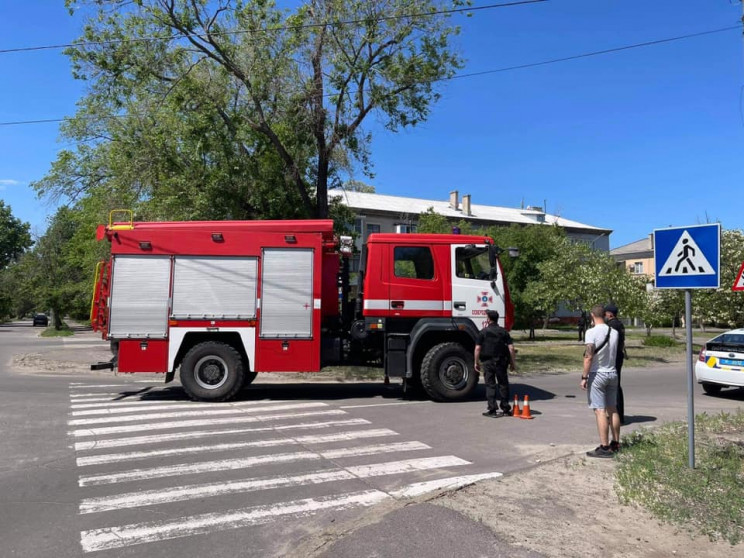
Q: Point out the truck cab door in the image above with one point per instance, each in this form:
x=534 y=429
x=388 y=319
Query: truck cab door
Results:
x=472 y=290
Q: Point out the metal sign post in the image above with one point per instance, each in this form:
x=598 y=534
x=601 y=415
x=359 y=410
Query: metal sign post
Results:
x=690 y=382
x=688 y=258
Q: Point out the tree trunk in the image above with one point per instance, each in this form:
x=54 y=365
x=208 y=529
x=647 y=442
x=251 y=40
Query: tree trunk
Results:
x=321 y=187
x=57 y=319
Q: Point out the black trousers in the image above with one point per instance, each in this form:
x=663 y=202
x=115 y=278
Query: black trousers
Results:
x=497 y=381
x=620 y=398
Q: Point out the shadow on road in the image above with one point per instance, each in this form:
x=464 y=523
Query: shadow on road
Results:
x=637 y=419
x=308 y=391
x=8 y=326
x=735 y=394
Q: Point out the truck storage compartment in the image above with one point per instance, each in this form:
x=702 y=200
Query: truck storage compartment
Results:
x=215 y=287
x=139 y=296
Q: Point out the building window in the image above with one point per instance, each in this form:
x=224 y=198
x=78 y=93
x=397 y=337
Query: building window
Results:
x=409 y=228
x=414 y=262
x=638 y=267
x=371 y=229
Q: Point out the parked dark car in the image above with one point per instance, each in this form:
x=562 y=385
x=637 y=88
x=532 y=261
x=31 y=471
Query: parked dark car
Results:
x=41 y=320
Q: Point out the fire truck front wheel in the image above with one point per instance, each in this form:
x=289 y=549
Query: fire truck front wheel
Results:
x=447 y=372
x=212 y=371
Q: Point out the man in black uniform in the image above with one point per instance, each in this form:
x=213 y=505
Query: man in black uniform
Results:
x=612 y=320
x=494 y=349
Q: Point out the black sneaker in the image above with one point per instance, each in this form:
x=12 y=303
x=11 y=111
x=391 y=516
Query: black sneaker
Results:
x=599 y=451
x=489 y=414
x=614 y=446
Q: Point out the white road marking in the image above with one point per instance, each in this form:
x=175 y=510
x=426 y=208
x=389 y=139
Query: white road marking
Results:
x=441 y=484
x=194 y=491
x=315 y=439
x=200 y=423
x=242 y=463
x=122 y=393
x=136 y=406
x=86 y=386
x=383 y=404
x=194 y=413
x=405 y=466
x=118 y=537
x=105 y=402
x=160 y=438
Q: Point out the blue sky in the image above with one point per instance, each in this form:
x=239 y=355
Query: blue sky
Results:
x=631 y=141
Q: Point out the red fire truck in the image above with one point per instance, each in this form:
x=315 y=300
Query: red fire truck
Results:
x=220 y=301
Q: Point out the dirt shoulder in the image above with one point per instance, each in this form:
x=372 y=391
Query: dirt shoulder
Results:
x=566 y=507
x=569 y=507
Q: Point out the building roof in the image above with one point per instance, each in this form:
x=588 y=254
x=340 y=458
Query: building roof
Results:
x=637 y=247
x=362 y=201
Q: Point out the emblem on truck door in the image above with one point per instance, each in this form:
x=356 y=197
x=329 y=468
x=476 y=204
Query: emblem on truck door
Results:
x=485 y=299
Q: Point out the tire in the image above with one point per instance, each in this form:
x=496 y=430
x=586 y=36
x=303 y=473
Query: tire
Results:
x=447 y=372
x=712 y=389
x=212 y=371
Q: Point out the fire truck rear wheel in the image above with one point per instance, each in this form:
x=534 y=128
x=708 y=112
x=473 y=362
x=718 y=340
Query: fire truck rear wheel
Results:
x=447 y=372
x=212 y=371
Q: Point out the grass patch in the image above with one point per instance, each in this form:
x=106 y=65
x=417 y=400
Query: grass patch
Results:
x=652 y=471
x=549 y=358
x=659 y=341
x=63 y=331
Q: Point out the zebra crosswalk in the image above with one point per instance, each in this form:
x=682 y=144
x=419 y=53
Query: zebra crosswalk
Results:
x=233 y=464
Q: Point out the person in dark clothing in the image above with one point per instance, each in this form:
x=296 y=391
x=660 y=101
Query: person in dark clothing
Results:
x=582 y=326
x=612 y=320
x=494 y=351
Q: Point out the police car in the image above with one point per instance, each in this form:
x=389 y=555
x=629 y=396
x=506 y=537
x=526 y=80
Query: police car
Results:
x=721 y=362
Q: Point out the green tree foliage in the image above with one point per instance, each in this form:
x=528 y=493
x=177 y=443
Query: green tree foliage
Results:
x=580 y=278
x=60 y=268
x=536 y=244
x=724 y=306
x=433 y=223
x=242 y=109
x=15 y=239
x=14 y=236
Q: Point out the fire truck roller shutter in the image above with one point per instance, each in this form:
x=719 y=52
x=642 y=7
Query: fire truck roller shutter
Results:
x=287 y=293
x=139 y=296
x=214 y=287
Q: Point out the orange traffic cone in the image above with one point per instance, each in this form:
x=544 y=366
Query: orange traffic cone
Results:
x=515 y=410
x=526 y=409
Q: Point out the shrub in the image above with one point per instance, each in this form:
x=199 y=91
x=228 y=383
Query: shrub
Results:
x=659 y=341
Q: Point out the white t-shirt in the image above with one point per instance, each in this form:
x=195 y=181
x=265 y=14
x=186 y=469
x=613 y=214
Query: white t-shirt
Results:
x=604 y=360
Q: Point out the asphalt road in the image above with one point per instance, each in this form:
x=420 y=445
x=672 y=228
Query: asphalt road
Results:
x=95 y=465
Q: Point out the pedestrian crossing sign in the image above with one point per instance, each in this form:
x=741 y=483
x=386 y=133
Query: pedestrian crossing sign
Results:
x=688 y=257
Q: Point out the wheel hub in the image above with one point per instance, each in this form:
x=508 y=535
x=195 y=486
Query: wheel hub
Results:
x=211 y=372
x=454 y=373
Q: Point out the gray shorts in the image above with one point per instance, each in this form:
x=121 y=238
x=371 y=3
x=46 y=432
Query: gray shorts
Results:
x=601 y=392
